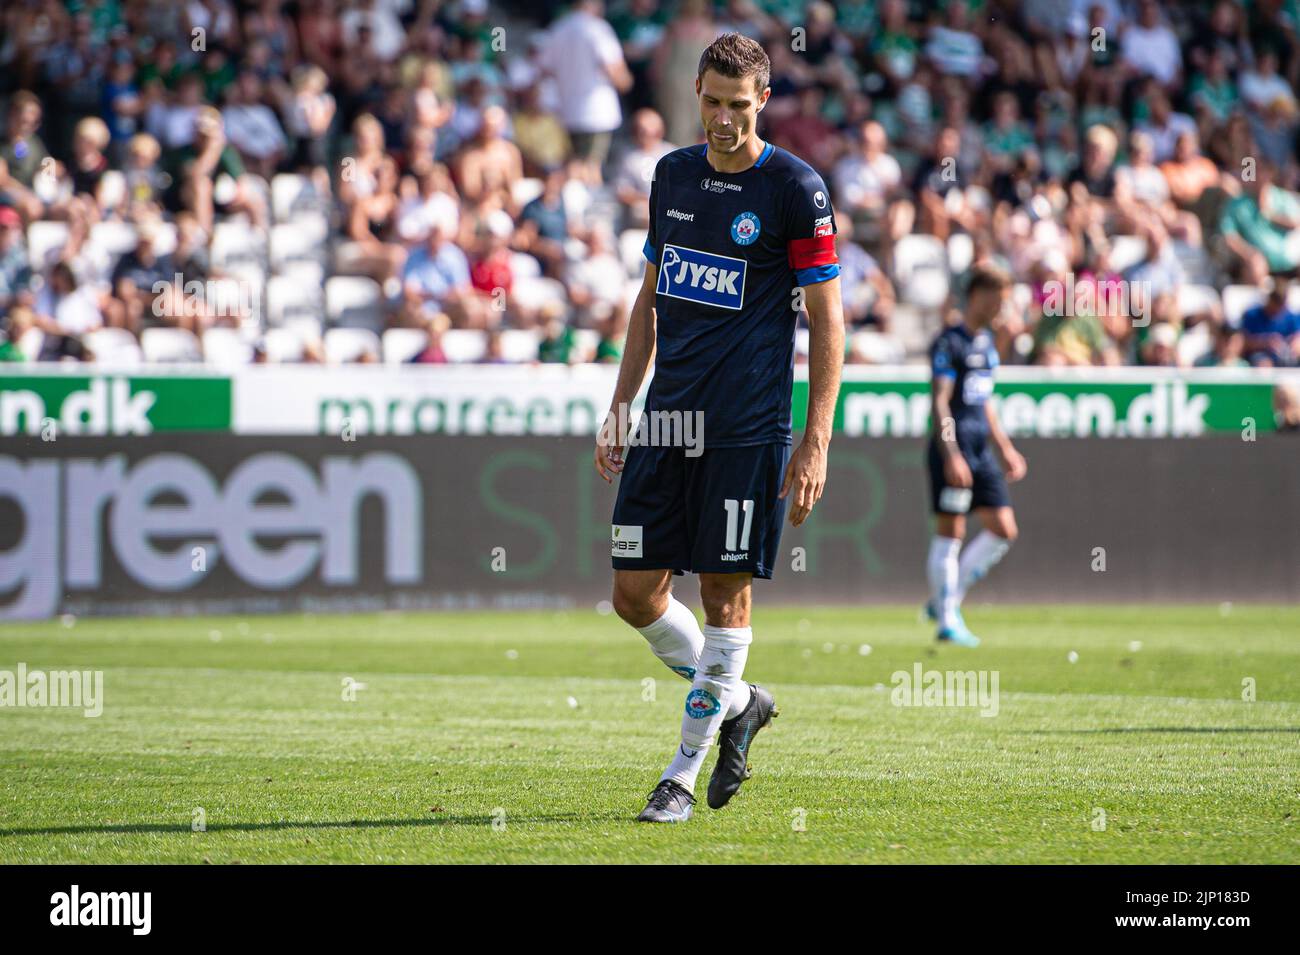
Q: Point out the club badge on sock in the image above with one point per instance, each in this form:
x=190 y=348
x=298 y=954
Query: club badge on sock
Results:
x=701 y=704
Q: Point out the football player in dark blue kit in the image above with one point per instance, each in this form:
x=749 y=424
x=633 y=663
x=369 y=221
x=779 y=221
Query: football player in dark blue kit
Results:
x=967 y=455
x=741 y=237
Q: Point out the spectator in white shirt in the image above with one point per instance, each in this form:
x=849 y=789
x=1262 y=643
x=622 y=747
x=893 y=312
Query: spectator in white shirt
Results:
x=1262 y=86
x=1150 y=48
x=636 y=168
x=387 y=36
x=65 y=312
x=1164 y=126
x=252 y=127
x=952 y=47
x=867 y=182
x=584 y=56
x=173 y=124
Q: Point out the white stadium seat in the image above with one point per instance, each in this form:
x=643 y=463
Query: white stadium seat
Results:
x=282 y=345
x=524 y=266
x=1198 y=300
x=520 y=344
x=961 y=252
x=1194 y=343
x=115 y=238
x=587 y=341
x=165 y=238
x=287 y=297
x=113 y=346
x=1238 y=299
x=305 y=271
x=1126 y=251
x=343 y=345
x=295 y=241
x=464 y=344
x=921 y=270
x=877 y=348
x=29 y=345
x=112 y=189
x=532 y=294
x=234 y=242
x=403 y=344
x=525 y=191
x=45 y=240
x=170 y=345
x=226 y=348
x=355 y=301
x=293 y=195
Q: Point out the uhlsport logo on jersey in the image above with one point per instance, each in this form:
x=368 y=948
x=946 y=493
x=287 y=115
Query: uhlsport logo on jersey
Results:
x=701 y=704
x=745 y=228
x=702 y=277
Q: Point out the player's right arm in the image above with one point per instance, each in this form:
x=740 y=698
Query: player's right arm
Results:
x=956 y=472
x=638 y=352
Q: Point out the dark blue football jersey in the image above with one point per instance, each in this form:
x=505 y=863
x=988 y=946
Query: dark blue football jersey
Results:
x=730 y=249
x=970 y=360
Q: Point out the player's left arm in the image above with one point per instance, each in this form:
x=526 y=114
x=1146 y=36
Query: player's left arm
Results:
x=1013 y=462
x=810 y=230
x=806 y=472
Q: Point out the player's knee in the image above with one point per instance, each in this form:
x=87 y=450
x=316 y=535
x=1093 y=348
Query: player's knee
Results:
x=724 y=605
x=633 y=605
x=1007 y=529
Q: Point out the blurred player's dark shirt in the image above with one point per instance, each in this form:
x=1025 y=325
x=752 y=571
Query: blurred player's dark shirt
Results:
x=970 y=361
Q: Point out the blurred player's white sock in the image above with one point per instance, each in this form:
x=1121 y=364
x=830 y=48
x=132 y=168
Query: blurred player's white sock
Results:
x=721 y=667
x=675 y=638
x=942 y=568
x=978 y=558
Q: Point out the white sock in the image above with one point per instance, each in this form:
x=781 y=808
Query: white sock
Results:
x=676 y=639
x=721 y=667
x=942 y=569
x=978 y=558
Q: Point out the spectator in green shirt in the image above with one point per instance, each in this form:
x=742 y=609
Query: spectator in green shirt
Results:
x=558 y=343
x=195 y=168
x=1261 y=228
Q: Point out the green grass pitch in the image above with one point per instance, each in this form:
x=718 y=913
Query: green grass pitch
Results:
x=532 y=737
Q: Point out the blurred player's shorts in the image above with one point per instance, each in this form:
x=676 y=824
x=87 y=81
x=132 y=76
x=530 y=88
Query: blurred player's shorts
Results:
x=591 y=147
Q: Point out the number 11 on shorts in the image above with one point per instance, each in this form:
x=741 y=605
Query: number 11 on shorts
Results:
x=733 y=508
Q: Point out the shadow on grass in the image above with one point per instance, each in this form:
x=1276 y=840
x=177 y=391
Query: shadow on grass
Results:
x=434 y=820
x=1173 y=729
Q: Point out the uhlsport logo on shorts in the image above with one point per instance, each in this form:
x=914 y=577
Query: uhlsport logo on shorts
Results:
x=625 y=540
x=701 y=704
x=702 y=277
x=745 y=228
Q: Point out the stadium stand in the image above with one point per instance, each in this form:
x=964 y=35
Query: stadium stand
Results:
x=348 y=181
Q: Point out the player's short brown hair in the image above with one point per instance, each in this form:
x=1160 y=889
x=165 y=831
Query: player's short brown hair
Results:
x=737 y=56
x=988 y=277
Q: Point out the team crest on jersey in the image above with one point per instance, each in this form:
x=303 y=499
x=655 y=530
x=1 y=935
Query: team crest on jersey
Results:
x=745 y=228
x=701 y=704
x=702 y=277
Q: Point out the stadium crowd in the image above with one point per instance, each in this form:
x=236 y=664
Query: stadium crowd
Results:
x=414 y=180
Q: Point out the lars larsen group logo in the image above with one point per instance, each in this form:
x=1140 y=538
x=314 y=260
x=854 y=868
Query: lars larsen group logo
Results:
x=718 y=185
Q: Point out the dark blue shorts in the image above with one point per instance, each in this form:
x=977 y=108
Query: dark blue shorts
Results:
x=717 y=513
x=989 y=487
